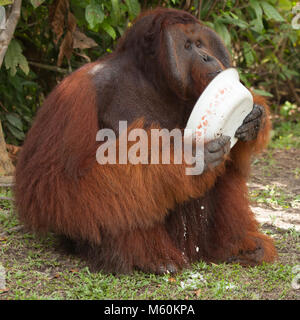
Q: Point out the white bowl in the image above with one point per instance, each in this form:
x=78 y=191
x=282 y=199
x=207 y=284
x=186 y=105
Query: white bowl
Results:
x=221 y=108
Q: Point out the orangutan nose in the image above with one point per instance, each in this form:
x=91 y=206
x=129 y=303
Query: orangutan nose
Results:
x=205 y=57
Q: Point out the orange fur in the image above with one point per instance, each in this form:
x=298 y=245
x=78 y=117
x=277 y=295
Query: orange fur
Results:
x=61 y=174
x=121 y=217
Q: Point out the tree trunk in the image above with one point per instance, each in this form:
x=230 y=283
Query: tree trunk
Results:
x=11 y=22
x=6 y=166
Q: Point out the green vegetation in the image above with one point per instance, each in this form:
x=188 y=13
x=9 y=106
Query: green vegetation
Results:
x=286 y=135
x=35 y=270
x=275 y=196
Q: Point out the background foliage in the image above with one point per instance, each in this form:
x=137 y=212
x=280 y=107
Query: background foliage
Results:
x=55 y=37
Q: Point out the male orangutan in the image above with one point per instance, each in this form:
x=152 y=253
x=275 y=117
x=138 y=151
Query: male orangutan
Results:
x=148 y=217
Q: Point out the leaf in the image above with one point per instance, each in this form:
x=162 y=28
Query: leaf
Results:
x=271 y=12
x=233 y=20
x=121 y=30
x=262 y=93
x=15 y=58
x=15 y=120
x=109 y=29
x=257 y=8
x=23 y=64
x=71 y=22
x=257 y=25
x=223 y=32
x=133 y=8
x=115 y=14
x=244 y=79
x=94 y=15
x=15 y=132
x=209 y=24
x=36 y=3
x=12 y=52
x=248 y=54
x=293 y=38
x=240 y=23
x=5 y=2
x=285 y=5
x=65 y=49
x=81 y=41
x=57 y=14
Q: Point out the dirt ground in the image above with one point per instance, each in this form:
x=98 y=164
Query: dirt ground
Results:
x=281 y=170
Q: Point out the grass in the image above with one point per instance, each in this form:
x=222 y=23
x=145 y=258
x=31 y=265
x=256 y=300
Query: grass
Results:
x=275 y=196
x=36 y=269
x=274 y=169
x=285 y=135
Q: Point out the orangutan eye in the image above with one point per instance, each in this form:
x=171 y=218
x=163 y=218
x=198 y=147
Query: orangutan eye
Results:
x=188 y=45
x=198 y=44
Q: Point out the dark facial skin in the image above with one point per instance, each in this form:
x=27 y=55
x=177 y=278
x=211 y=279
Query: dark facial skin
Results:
x=192 y=60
